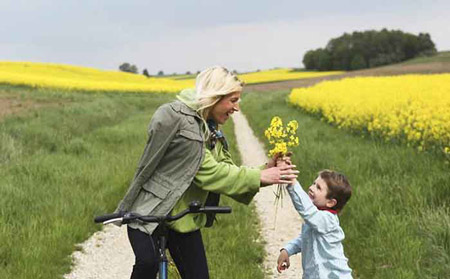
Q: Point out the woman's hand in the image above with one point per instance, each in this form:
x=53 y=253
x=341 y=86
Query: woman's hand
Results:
x=283 y=261
x=284 y=174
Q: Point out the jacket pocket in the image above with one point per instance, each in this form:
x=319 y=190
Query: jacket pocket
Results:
x=153 y=193
x=190 y=135
x=157 y=185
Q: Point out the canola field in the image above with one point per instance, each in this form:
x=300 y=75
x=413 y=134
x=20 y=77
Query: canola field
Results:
x=67 y=77
x=43 y=75
x=411 y=108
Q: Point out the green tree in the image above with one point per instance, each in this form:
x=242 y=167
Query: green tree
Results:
x=128 y=68
x=323 y=60
x=134 y=69
x=309 y=60
x=426 y=45
x=368 y=49
x=358 y=62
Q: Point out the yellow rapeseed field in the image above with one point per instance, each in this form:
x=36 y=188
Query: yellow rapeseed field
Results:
x=47 y=75
x=411 y=108
x=43 y=75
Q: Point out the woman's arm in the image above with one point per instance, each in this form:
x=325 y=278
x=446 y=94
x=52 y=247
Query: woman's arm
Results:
x=161 y=130
x=240 y=183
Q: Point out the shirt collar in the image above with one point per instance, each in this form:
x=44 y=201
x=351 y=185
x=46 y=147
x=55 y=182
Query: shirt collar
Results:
x=328 y=209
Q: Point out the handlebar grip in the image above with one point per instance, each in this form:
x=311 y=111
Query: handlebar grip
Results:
x=103 y=218
x=216 y=209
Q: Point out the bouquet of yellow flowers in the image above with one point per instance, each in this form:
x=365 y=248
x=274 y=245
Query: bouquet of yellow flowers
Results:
x=281 y=137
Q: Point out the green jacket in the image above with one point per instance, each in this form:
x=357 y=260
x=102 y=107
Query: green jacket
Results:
x=173 y=156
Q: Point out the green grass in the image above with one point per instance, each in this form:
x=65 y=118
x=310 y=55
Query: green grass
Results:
x=397 y=221
x=442 y=56
x=71 y=159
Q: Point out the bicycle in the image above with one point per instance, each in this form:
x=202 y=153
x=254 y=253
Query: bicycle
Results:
x=129 y=217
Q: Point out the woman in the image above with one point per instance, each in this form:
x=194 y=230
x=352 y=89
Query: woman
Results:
x=186 y=159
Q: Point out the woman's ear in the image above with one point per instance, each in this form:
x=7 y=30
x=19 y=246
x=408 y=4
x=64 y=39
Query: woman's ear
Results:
x=331 y=203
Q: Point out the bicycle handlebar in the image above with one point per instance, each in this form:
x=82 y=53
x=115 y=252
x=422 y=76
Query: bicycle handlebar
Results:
x=103 y=218
x=128 y=217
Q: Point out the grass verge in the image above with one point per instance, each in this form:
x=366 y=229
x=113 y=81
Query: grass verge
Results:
x=397 y=222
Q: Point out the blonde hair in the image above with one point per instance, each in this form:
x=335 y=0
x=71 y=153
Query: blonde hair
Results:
x=211 y=85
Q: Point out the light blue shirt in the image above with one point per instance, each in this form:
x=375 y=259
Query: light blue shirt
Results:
x=320 y=241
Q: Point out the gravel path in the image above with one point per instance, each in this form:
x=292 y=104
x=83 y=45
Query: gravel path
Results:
x=107 y=254
x=287 y=224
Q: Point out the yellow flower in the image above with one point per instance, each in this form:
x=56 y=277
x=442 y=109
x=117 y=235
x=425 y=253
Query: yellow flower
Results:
x=292 y=126
x=409 y=108
x=281 y=137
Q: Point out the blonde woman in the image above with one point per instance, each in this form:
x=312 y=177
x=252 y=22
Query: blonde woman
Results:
x=186 y=158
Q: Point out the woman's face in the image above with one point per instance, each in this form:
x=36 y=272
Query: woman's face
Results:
x=222 y=110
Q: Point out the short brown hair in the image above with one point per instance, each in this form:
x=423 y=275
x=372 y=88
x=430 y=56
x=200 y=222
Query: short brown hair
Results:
x=338 y=187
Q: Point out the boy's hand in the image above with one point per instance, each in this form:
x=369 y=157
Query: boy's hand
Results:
x=283 y=261
x=283 y=163
x=279 y=157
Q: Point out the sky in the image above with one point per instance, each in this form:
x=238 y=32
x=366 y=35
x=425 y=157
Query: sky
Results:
x=189 y=35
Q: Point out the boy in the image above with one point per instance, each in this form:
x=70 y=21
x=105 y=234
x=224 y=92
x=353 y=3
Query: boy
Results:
x=321 y=239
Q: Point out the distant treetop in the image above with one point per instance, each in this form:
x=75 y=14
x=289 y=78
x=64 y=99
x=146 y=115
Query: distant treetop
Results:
x=368 y=49
x=128 y=68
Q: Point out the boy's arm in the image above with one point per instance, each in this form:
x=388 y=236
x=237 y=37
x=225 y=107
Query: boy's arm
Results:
x=294 y=246
x=320 y=221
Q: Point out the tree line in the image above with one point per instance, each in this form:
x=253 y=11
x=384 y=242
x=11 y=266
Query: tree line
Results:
x=368 y=49
x=131 y=68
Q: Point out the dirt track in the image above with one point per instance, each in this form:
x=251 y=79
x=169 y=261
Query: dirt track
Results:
x=425 y=68
x=14 y=105
x=11 y=106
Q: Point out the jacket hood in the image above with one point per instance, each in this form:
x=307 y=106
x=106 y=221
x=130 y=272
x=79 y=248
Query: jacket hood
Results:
x=189 y=97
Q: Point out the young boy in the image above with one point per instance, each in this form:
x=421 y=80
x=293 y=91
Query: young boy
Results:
x=321 y=239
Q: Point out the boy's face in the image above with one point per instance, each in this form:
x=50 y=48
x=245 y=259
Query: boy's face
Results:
x=318 y=194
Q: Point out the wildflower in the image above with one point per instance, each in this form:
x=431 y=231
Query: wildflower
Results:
x=281 y=137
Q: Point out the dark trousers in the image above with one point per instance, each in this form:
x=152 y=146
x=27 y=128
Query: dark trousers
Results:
x=186 y=249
